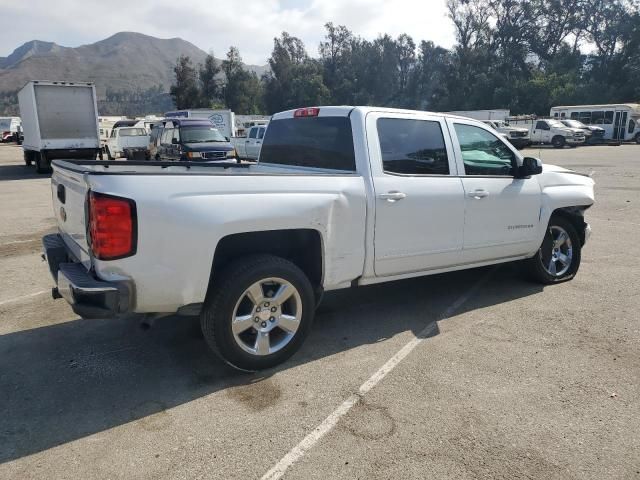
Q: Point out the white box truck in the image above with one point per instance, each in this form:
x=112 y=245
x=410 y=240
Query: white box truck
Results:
x=60 y=120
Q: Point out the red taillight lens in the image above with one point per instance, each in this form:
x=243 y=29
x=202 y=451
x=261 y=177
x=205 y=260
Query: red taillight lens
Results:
x=306 y=112
x=112 y=226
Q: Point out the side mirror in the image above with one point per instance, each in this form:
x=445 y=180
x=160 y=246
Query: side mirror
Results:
x=174 y=141
x=530 y=166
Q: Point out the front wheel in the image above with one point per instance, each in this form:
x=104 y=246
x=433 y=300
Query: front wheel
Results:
x=558 y=141
x=558 y=258
x=258 y=312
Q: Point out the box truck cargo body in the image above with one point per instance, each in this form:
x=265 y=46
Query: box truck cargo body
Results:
x=59 y=120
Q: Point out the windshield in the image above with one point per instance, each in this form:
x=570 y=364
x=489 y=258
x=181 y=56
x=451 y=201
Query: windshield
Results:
x=574 y=123
x=201 y=134
x=555 y=124
x=5 y=124
x=132 y=132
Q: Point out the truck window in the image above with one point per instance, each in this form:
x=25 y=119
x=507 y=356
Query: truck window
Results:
x=413 y=147
x=133 y=132
x=260 y=133
x=542 y=126
x=483 y=153
x=113 y=133
x=167 y=135
x=253 y=132
x=319 y=142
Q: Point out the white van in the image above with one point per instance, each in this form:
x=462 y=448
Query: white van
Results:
x=620 y=121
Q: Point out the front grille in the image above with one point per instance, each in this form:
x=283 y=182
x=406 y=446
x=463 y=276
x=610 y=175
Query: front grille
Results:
x=214 y=155
x=519 y=134
x=598 y=133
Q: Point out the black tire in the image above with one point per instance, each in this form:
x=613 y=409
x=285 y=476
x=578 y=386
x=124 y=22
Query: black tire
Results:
x=638 y=138
x=535 y=266
x=28 y=159
x=43 y=165
x=109 y=157
x=228 y=290
x=558 y=141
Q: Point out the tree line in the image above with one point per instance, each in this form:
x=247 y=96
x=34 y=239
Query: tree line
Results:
x=525 y=55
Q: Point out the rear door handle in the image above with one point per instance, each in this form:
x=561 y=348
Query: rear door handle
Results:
x=392 y=196
x=479 y=193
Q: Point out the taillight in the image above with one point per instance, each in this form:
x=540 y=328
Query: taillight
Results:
x=112 y=226
x=306 y=112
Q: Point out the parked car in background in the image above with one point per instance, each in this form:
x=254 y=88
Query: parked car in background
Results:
x=10 y=129
x=620 y=121
x=592 y=133
x=59 y=120
x=192 y=139
x=130 y=139
x=549 y=131
x=517 y=136
x=249 y=147
x=341 y=197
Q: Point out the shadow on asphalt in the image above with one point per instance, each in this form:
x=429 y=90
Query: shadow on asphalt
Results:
x=20 y=172
x=63 y=382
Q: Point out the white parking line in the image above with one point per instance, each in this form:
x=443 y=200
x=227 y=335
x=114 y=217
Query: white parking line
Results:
x=297 y=452
x=24 y=297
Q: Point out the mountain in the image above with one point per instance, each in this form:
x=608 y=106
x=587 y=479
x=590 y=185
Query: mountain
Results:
x=132 y=71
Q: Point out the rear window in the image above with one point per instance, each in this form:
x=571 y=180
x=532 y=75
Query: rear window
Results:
x=132 y=132
x=319 y=142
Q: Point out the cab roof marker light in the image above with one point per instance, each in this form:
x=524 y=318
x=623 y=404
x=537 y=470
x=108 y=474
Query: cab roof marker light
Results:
x=306 y=112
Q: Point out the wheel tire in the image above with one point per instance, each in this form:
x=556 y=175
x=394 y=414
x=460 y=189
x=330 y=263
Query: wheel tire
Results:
x=42 y=164
x=109 y=157
x=226 y=296
x=638 y=138
x=28 y=159
x=558 y=141
x=535 y=266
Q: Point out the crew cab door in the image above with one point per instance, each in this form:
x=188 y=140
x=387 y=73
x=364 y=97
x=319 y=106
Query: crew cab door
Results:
x=419 y=200
x=502 y=212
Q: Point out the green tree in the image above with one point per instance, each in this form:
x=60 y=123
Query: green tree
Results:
x=185 y=91
x=210 y=90
x=242 y=90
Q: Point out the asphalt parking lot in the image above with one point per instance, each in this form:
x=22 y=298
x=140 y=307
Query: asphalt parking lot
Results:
x=509 y=380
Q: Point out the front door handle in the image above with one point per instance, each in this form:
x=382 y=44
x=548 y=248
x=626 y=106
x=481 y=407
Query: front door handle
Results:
x=478 y=194
x=392 y=196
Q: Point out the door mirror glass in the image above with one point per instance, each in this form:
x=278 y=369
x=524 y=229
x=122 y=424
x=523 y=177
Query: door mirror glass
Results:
x=530 y=166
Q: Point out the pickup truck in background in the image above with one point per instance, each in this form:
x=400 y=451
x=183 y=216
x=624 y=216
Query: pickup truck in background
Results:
x=248 y=148
x=127 y=139
x=549 y=131
x=341 y=197
x=517 y=136
x=592 y=133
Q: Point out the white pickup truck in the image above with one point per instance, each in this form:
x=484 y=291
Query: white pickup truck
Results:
x=127 y=139
x=249 y=147
x=341 y=197
x=550 y=132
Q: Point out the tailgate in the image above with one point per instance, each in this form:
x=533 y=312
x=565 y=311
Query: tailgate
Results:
x=69 y=195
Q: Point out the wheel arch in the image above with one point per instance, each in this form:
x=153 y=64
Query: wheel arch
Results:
x=303 y=246
x=574 y=215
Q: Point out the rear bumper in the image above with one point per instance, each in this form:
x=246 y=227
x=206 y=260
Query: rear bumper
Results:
x=89 y=297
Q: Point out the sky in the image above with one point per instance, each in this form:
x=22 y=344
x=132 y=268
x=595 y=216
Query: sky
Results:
x=214 y=25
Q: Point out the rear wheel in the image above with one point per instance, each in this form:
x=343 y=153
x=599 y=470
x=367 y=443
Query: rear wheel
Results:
x=28 y=159
x=258 y=312
x=558 y=141
x=43 y=165
x=558 y=258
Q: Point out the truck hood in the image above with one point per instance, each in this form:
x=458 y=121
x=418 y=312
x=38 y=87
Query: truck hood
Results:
x=577 y=183
x=515 y=129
